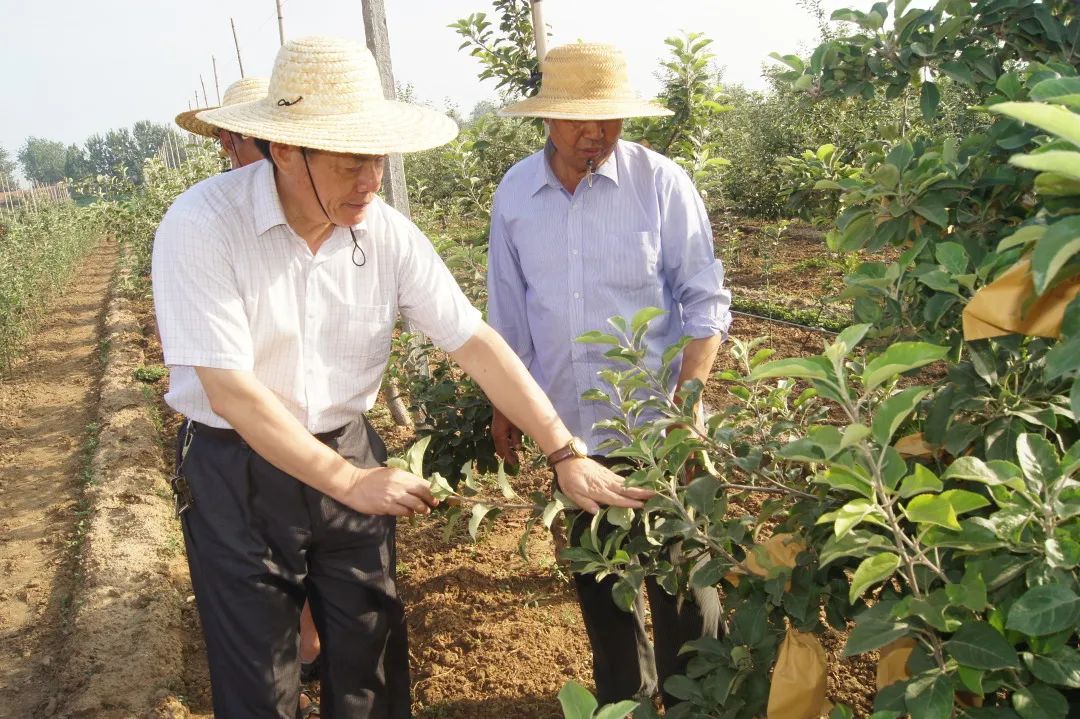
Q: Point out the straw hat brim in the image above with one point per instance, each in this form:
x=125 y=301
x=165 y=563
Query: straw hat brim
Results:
x=381 y=127
x=191 y=123
x=584 y=109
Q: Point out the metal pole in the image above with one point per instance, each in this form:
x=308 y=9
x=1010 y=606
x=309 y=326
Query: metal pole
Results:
x=539 y=29
x=236 y=42
x=280 y=24
x=217 y=87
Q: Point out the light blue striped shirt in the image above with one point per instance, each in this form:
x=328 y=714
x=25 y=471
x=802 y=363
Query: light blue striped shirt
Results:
x=561 y=264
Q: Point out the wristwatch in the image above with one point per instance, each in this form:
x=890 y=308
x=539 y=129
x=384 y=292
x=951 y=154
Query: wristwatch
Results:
x=576 y=447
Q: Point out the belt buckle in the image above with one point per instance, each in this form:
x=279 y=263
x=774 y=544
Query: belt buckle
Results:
x=182 y=499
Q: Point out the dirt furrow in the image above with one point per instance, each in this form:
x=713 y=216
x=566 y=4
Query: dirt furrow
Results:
x=48 y=410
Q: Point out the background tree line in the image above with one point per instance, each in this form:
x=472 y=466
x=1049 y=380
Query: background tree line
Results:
x=118 y=153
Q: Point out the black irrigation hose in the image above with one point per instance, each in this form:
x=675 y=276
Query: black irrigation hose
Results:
x=784 y=322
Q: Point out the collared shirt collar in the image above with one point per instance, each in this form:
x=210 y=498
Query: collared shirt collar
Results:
x=267 y=207
x=546 y=176
x=266 y=203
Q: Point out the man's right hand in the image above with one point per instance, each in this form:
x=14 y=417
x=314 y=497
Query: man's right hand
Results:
x=386 y=490
x=506 y=436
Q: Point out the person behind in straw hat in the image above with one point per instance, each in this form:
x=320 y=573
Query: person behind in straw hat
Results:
x=276 y=288
x=588 y=228
x=240 y=149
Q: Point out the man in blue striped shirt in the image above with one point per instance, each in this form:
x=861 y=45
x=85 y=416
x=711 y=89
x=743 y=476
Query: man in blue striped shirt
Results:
x=588 y=228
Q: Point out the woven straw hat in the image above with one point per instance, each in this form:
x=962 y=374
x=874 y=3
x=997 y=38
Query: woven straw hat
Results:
x=246 y=90
x=325 y=94
x=585 y=82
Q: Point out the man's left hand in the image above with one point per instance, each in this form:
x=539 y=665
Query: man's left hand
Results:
x=589 y=485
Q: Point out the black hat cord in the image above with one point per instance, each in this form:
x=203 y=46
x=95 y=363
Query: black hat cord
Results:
x=355 y=242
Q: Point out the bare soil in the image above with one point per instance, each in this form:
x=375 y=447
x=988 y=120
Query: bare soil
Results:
x=48 y=404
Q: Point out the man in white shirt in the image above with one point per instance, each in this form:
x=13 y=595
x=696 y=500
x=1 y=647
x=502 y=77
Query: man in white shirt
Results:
x=277 y=287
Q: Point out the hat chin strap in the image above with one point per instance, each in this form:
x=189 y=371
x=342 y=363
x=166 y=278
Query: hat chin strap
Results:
x=232 y=149
x=355 y=242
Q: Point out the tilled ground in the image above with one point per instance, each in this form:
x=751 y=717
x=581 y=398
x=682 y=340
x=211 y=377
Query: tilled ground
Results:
x=48 y=404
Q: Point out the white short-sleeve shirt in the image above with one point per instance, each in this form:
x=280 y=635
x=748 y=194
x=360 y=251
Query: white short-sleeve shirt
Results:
x=236 y=288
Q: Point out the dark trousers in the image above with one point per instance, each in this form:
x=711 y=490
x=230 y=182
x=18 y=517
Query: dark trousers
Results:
x=259 y=542
x=625 y=663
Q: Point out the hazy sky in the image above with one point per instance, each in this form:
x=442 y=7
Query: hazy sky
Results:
x=76 y=67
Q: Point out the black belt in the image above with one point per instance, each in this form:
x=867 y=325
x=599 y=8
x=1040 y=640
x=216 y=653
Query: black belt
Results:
x=231 y=435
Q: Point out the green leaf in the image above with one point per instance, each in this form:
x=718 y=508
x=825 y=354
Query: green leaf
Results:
x=874 y=628
x=1044 y=610
x=970 y=592
x=576 y=701
x=1055 y=120
x=972 y=679
x=479 y=511
x=1040 y=702
x=929 y=99
x=414 y=456
x=643 y=316
x=504 y=483
x=851 y=337
x=1010 y=85
x=979 y=646
x=933 y=209
x=900 y=357
x=620 y=516
x=1060 y=161
x=892 y=413
x=554 y=507
x=963 y=501
x=1057 y=246
x=440 y=488
x=1063 y=359
x=617 y=711
x=598 y=338
x=1022 y=237
x=932 y=509
x=973 y=469
x=853 y=434
x=952 y=256
x=841 y=478
x=1061 y=667
x=1037 y=459
x=852 y=515
x=959 y=71
x=853 y=544
x=1054 y=88
x=798 y=367
x=921 y=480
x=871 y=571
x=930 y=696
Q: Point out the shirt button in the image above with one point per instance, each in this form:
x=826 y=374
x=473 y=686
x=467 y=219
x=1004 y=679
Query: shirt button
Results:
x=575 y=252
x=577 y=295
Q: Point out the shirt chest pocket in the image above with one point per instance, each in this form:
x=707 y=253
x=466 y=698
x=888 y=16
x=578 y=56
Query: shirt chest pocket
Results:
x=633 y=262
x=365 y=334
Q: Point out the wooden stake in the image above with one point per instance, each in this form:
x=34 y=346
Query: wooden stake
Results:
x=378 y=41
x=236 y=42
x=280 y=24
x=204 y=96
x=217 y=87
x=539 y=29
